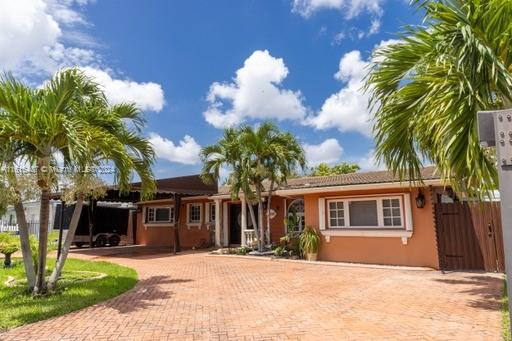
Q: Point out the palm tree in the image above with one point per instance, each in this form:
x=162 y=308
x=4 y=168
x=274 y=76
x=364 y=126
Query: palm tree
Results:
x=70 y=114
x=255 y=156
x=14 y=190
x=428 y=87
x=275 y=156
x=110 y=141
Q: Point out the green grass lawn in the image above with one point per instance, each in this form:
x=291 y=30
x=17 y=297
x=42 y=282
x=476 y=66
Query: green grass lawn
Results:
x=18 y=308
x=505 y=316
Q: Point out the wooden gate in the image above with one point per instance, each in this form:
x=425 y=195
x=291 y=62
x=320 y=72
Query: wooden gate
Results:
x=469 y=236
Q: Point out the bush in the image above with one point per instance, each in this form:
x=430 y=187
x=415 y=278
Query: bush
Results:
x=280 y=251
x=53 y=244
x=290 y=243
x=242 y=250
x=8 y=245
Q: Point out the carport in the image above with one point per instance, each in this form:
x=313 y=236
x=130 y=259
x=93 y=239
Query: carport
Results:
x=175 y=189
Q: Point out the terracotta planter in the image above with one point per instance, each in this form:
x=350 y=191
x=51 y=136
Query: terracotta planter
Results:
x=311 y=257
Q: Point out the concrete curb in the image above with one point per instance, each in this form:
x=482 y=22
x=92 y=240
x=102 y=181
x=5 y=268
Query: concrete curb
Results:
x=339 y=264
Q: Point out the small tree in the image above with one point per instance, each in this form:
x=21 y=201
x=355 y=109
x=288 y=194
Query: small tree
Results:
x=8 y=245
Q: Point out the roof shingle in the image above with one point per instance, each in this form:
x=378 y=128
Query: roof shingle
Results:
x=362 y=178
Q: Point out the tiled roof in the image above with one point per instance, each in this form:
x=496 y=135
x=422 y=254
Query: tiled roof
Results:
x=362 y=178
x=191 y=185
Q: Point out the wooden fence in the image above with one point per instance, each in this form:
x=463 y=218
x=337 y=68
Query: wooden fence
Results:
x=469 y=236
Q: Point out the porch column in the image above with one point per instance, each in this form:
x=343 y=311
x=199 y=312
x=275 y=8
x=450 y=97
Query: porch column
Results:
x=218 y=219
x=244 y=222
x=225 y=226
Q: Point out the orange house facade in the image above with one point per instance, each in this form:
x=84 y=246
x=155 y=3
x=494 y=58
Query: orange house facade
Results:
x=362 y=218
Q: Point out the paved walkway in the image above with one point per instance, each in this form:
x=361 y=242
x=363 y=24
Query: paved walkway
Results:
x=207 y=297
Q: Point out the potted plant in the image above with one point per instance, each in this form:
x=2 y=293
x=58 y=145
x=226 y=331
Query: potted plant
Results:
x=309 y=242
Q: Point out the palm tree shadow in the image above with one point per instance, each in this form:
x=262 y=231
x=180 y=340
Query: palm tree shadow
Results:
x=486 y=290
x=144 y=295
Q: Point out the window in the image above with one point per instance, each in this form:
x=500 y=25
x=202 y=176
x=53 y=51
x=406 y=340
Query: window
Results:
x=194 y=213
x=365 y=213
x=295 y=217
x=391 y=212
x=211 y=217
x=336 y=214
x=160 y=214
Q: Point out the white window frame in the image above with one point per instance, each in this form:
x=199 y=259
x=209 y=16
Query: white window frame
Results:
x=189 y=209
x=209 y=209
x=172 y=216
x=380 y=213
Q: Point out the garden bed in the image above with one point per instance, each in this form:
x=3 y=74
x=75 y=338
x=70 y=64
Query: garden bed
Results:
x=84 y=283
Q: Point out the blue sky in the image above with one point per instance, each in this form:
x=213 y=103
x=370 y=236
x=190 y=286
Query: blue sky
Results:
x=195 y=67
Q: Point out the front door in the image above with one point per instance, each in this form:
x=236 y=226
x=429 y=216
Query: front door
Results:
x=235 y=230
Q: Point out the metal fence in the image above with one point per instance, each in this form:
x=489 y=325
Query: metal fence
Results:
x=33 y=228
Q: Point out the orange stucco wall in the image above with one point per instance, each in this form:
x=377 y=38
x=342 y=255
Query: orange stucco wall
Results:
x=420 y=250
x=162 y=234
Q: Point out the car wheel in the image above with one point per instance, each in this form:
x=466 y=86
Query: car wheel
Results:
x=101 y=241
x=114 y=240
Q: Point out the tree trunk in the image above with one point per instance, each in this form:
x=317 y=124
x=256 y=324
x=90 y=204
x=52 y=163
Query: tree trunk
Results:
x=40 y=286
x=26 y=251
x=269 y=202
x=261 y=239
x=57 y=271
x=177 y=218
x=7 y=260
x=253 y=219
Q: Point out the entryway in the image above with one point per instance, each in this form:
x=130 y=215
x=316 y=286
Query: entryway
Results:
x=469 y=236
x=235 y=221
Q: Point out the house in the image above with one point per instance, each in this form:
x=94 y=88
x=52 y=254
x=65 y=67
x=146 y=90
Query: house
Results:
x=367 y=217
x=8 y=219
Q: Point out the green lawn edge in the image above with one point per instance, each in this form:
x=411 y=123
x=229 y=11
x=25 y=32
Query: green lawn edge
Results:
x=18 y=308
x=505 y=315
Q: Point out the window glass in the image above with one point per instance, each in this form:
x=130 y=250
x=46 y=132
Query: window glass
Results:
x=391 y=212
x=363 y=213
x=212 y=213
x=336 y=214
x=194 y=213
x=159 y=214
x=162 y=214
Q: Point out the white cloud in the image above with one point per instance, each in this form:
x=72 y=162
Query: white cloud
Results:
x=328 y=152
x=254 y=93
x=147 y=96
x=375 y=27
x=351 y=8
x=38 y=37
x=185 y=151
x=346 y=110
x=31 y=32
x=368 y=162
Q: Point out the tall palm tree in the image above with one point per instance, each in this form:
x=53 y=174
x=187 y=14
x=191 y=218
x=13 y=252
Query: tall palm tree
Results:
x=428 y=87
x=70 y=114
x=255 y=156
x=111 y=140
x=275 y=156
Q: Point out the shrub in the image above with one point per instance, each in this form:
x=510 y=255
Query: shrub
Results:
x=8 y=245
x=309 y=240
x=242 y=250
x=279 y=251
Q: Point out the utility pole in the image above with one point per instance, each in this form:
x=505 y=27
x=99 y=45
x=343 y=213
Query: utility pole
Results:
x=495 y=129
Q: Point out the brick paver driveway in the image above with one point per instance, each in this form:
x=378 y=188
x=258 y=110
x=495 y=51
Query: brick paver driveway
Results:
x=200 y=296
